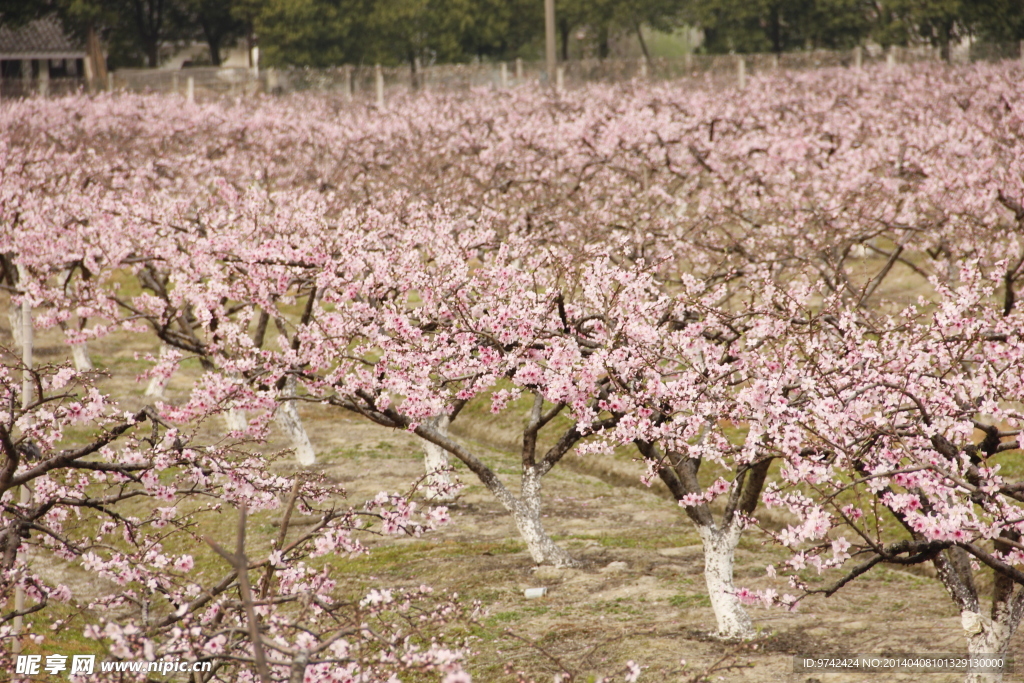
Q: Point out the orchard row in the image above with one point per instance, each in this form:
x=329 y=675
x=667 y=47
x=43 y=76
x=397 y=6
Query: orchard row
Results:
x=811 y=284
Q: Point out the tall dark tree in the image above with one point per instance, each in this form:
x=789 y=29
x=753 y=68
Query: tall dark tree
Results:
x=215 y=20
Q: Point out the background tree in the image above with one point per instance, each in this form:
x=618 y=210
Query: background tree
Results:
x=938 y=22
x=779 y=25
x=215 y=21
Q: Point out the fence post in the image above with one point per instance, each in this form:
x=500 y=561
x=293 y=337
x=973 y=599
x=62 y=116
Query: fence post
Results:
x=379 y=73
x=1021 y=48
x=348 y=82
x=504 y=75
x=110 y=81
x=775 y=62
x=190 y=90
x=417 y=73
x=890 y=58
x=643 y=68
x=519 y=69
x=741 y=72
x=44 y=77
x=858 y=58
x=560 y=78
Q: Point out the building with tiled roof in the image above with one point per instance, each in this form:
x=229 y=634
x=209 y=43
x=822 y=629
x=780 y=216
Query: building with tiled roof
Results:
x=39 y=50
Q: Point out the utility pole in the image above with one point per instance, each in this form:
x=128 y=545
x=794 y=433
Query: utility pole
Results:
x=549 y=39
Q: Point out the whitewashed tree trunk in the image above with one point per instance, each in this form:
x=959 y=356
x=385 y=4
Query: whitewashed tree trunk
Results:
x=235 y=420
x=435 y=460
x=14 y=318
x=719 y=558
x=80 y=354
x=27 y=347
x=986 y=637
x=526 y=513
x=27 y=398
x=288 y=419
x=157 y=385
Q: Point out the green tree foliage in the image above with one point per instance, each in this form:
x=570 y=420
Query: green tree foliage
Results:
x=997 y=20
x=780 y=25
x=216 y=21
x=329 y=32
x=323 y=32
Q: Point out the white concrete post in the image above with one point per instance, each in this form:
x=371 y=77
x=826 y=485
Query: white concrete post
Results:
x=44 y=77
x=190 y=90
x=858 y=58
x=504 y=75
x=379 y=75
x=110 y=81
x=741 y=72
x=890 y=58
x=560 y=78
x=348 y=83
x=519 y=70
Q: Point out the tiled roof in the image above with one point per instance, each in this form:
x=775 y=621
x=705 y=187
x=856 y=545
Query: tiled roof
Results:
x=38 y=39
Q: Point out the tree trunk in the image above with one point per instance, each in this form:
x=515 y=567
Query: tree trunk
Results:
x=80 y=354
x=986 y=637
x=719 y=557
x=525 y=509
x=27 y=343
x=235 y=420
x=156 y=386
x=640 y=37
x=288 y=419
x=14 y=318
x=945 y=40
x=526 y=512
x=94 y=53
x=603 y=45
x=564 y=29
x=435 y=460
x=152 y=54
x=214 y=45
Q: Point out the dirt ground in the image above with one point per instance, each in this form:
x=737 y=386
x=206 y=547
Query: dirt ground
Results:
x=640 y=592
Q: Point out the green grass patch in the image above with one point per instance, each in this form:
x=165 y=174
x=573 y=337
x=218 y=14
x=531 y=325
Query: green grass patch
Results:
x=689 y=600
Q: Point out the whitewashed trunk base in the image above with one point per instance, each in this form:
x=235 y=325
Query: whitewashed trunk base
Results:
x=80 y=354
x=235 y=420
x=526 y=513
x=984 y=637
x=719 y=559
x=157 y=385
x=435 y=460
x=14 y=319
x=288 y=419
